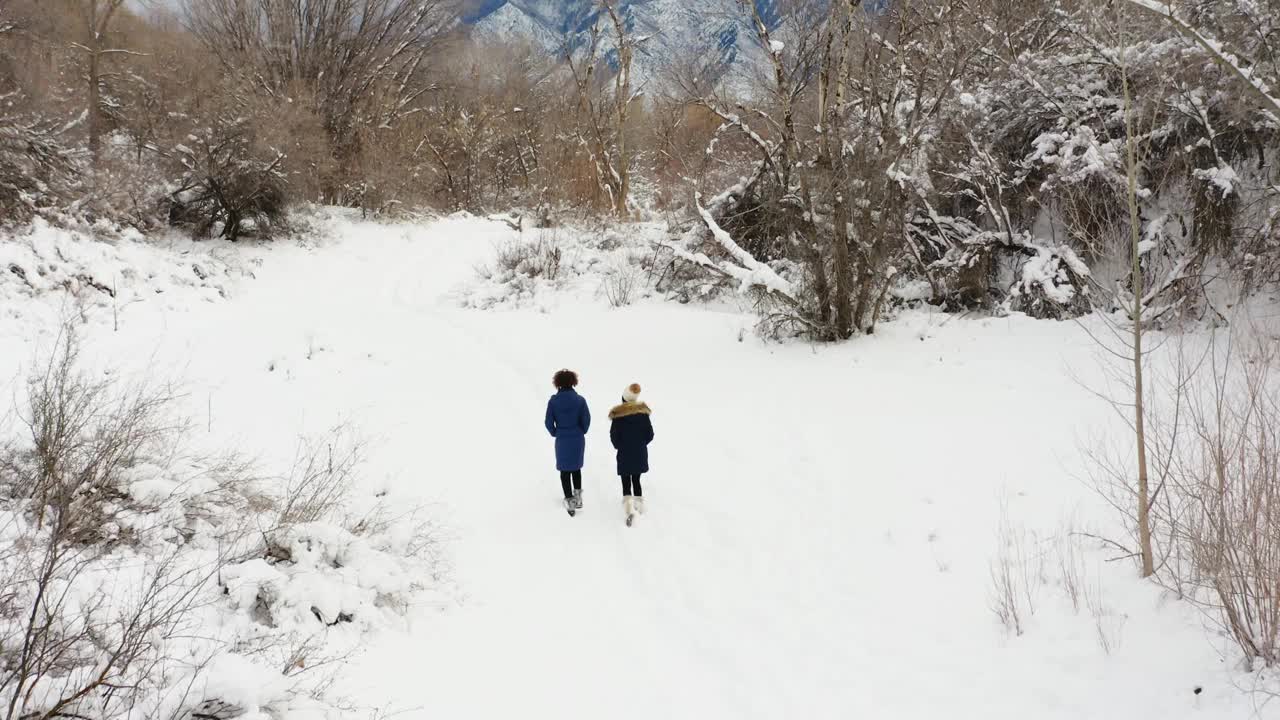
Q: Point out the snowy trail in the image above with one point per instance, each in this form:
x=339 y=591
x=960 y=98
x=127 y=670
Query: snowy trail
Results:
x=821 y=520
x=761 y=583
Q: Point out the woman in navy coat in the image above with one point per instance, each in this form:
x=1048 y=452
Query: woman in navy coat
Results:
x=568 y=420
x=631 y=431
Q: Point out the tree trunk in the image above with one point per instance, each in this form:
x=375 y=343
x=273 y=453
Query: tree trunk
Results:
x=821 y=288
x=875 y=311
x=836 y=68
x=869 y=237
x=624 y=162
x=95 y=104
x=1139 y=404
x=624 y=183
x=840 y=256
x=95 y=86
x=99 y=21
x=622 y=105
x=818 y=269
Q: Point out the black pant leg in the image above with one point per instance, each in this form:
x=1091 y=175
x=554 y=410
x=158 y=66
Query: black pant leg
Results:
x=635 y=486
x=577 y=479
x=565 y=480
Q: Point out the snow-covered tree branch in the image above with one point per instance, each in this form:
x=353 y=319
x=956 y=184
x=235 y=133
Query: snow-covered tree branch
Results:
x=1261 y=90
x=740 y=265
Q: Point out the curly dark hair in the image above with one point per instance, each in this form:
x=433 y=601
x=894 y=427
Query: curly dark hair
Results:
x=565 y=379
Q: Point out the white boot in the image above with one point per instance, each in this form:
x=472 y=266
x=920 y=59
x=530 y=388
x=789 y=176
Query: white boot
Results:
x=639 y=503
x=628 y=507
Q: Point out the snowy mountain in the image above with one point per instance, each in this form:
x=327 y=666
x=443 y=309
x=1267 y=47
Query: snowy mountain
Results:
x=711 y=33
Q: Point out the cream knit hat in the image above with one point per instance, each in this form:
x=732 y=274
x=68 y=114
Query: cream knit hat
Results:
x=632 y=393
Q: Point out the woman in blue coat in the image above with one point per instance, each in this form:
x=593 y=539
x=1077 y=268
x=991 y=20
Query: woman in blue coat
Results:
x=631 y=431
x=568 y=420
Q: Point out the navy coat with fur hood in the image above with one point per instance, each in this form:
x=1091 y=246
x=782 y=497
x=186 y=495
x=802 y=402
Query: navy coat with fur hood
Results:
x=631 y=431
x=568 y=420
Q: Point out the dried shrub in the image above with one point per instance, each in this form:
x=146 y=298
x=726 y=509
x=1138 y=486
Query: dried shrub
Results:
x=622 y=283
x=89 y=444
x=1085 y=592
x=322 y=489
x=1107 y=625
x=1071 y=569
x=1016 y=574
x=1223 y=488
x=540 y=258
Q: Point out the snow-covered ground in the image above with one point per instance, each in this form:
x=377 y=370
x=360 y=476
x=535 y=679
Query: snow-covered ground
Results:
x=822 y=520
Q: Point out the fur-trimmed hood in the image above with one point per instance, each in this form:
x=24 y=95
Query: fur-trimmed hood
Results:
x=629 y=408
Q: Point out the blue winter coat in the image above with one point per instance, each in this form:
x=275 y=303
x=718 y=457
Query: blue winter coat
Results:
x=568 y=420
x=631 y=431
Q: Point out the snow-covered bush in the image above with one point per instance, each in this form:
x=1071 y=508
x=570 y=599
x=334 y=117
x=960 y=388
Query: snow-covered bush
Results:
x=970 y=267
x=104 y=269
x=37 y=167
x=231 y=187
x=539 y=258
x=131 y=186
x=95 y=467
x=145 y=580
x=1002 y=185
x=609 y=262
x=1051 y=283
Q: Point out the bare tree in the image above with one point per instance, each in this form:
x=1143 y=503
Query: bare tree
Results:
x=605 y=107
x=843 y=193
x=832 y=114
x=1137 y=318
x=777 y=197
x=98 y=16
x=482 y=141
x=38 y=165
x=360 y=61
x=1128 y=342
